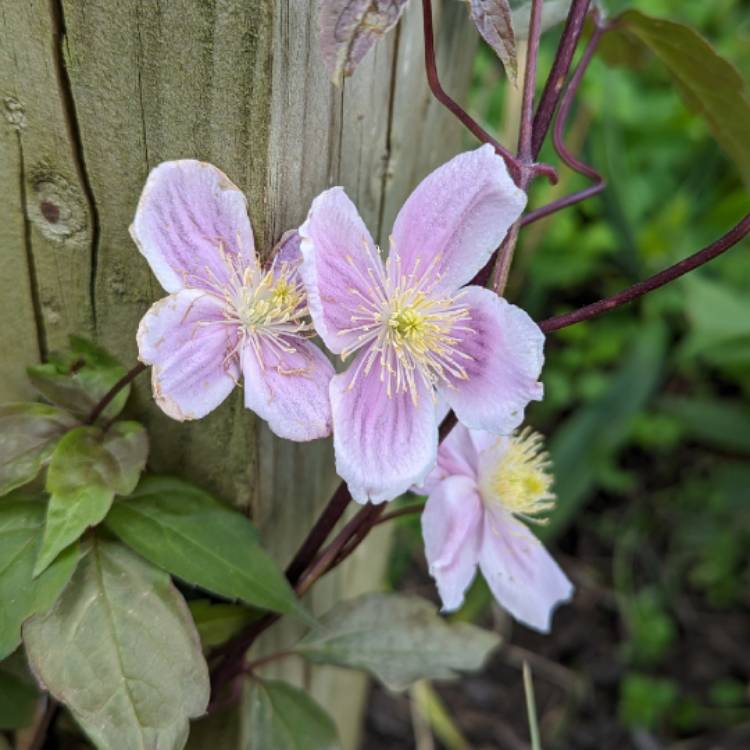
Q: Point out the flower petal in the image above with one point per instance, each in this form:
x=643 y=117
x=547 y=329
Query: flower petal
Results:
x=384 y=444
x=287 y=251
x=522 y=575
x=186 y=340
x=455 y=219
x=341 y=267
x=192 y=226
x=506 y=350
x=288 y=389
x=457 y=455
x=452 y=527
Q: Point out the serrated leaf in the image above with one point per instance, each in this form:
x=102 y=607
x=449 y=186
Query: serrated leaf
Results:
x=494 y=22
x=77 y=380
x=283 y=717
x=120 y=650
x=18 y=694
x=87 y=469
x=399 y=639
x=21 y=596
x=185 y=531
x=349 y=28
x=709 y=84
x=217 y=623
x=28 y=435
x=553 y=13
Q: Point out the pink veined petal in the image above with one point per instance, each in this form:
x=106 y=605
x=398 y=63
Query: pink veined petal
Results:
x=456 y=218
x=287 y=251
x=457 y=455
x=520 y=572
x=341 y=267
x=452 y=528
x=288 y=389
x=184 y=339
x=506 y=350
x=192 y=226
x=383 y=444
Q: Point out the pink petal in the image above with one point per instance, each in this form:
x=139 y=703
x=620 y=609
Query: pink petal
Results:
x=506 y=350
x=289 y=390
x=191 y=374
x=522 y=575
x=287 y=251
x=451 y=527
x=456 y=218
x=191 y=225
x=384 y=444
x=338 y=254
x=456 y=456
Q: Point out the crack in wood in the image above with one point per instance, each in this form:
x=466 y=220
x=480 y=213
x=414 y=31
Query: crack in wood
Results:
x=389 y=130
x=71 y=119
x=31 y=268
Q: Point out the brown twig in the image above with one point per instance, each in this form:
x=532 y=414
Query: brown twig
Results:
x=724 y=243
x=514 y=166
x=124 y=381
x=39 y=737
x=440 y=94
x=507 y=248
x=320 y=531
x=558 y=73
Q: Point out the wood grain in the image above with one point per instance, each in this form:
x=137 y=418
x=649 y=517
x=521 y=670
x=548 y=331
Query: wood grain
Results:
x=95 y=93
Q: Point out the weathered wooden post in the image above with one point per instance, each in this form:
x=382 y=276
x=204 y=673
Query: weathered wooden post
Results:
x=94 y=93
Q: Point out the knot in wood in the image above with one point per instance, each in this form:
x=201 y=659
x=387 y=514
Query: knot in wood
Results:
x=56 y=207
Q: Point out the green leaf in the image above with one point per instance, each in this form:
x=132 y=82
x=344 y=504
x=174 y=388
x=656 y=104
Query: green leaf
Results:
x=719 y=318
x=120 y=650
x=720 y=423
x=283 y=717
x=645 y=701
x=217 y=731
x=399 y=639
x=28 y=435
x=709 y=84
x=77 y=380
x=21 y=526
x=87 y=469
x=185 y=531
x=587 y=440
x=217 y=623
x=18 y=695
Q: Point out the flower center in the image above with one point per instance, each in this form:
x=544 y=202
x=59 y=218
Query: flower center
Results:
x=520 y=480
x=411 y=333
x=272 y=302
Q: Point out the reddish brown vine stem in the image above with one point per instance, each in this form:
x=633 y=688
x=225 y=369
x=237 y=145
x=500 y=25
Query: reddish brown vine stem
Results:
x=124 y=381
x=559 y=72
x=514 y=166
x=724 y=243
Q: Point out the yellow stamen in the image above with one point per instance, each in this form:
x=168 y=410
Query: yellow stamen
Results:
x=411 y=332
x=521 y=481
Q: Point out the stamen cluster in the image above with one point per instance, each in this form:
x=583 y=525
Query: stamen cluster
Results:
x=520 y=480
x=411 y=333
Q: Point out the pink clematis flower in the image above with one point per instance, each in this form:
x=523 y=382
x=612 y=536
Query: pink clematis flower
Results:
x=482 y=485
x=417 y=336
x=225 y=316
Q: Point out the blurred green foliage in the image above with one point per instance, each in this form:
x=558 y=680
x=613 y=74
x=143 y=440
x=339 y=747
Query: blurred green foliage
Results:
x=647 y=408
